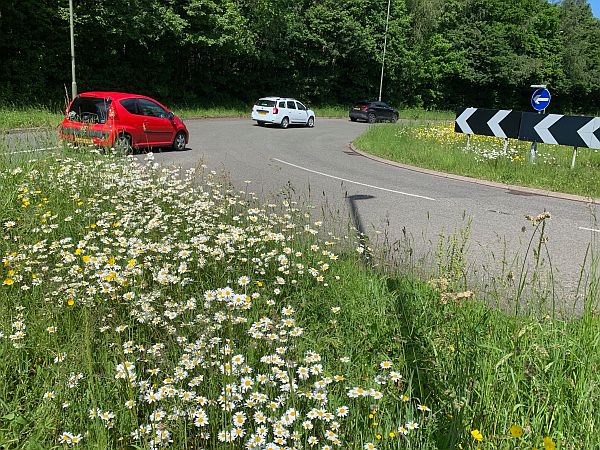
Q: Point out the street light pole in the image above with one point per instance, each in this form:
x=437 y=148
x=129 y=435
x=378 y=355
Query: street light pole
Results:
x=384 y=45
x=73 y=83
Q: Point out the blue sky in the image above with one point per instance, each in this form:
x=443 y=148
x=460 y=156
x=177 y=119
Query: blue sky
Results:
x=595 y=7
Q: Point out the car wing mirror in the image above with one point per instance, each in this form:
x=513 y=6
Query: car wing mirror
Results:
x=170 y=115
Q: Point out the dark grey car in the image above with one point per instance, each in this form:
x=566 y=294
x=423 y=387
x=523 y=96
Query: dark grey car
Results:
x=372 y=112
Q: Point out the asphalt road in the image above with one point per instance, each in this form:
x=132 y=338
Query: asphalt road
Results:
x=404 y=208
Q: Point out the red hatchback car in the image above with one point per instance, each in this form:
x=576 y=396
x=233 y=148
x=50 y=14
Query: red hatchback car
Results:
x=112 y=119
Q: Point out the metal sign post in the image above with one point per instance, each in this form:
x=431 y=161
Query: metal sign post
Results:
x=540 y=101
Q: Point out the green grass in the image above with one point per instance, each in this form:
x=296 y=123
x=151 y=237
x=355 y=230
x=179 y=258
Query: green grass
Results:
x=12 y=117
x=424 y=114
x=76 y=221
x=436 y=146
x=20 y=117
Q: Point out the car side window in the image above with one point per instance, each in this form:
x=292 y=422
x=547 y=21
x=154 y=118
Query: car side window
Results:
x=282 y=104
x=149 y=108
x=291 y=105
x=301 y=107
x=130 y=104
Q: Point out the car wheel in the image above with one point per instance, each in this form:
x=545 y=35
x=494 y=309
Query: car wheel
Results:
x=311 y=122
x=123 y=143
x=285 y=122
x=179 y=141
x=260 y=123
x=353 y=119
x=371 y=118
x=395 y=118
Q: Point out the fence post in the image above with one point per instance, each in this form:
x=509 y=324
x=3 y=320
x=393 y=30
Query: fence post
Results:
x=574 y=156
x=468 y=142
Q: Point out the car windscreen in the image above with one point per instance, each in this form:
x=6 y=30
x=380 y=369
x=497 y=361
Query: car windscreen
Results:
x=89 y=109
x=263 y=102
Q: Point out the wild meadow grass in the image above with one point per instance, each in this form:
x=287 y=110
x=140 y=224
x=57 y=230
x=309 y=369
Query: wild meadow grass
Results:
x=436 y=146
x=146 y=307
x=26 y=117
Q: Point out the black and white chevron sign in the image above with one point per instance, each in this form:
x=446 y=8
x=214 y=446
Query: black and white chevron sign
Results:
x=503 y=123
x=574 y=131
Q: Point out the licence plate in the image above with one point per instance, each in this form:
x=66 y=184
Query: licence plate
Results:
x=356 y=108
x=262 y=113
x=83 y=140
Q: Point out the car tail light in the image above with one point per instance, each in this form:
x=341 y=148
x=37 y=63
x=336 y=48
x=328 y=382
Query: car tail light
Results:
x=275 y=110
x=364 y=108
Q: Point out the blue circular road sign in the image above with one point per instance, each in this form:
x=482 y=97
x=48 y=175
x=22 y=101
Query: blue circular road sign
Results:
x=540 y=99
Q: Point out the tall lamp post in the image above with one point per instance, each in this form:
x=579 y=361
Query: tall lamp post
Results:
x=384 y=45
x=73 y=83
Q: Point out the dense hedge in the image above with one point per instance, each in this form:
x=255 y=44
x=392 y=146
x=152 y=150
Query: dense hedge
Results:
x=440 y=53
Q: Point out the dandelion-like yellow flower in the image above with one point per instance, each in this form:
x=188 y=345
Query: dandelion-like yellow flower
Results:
x=477 y=435
x=8 y=282
x=70 y=302
x=516 y=431
x=549 y=443
x=392 y=434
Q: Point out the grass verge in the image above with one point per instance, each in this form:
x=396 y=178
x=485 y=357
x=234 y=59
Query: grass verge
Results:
x=12 y=117
x=145 y=307
x=436 y=146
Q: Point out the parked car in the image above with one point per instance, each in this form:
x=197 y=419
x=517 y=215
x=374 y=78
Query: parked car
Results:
x=372 y=112
x=282 y=111
x=116 y=119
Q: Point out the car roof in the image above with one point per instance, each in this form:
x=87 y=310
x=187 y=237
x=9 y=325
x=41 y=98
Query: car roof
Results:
x=278 y=98
x=111 y=94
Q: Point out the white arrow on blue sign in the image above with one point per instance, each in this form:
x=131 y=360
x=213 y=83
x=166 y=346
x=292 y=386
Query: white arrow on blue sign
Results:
x=540 y=99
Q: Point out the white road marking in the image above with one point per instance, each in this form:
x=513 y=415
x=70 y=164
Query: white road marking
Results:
x=34 y=150
x=354 y=182
x=589 y=229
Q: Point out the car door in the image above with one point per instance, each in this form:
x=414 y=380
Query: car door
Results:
x=158 y=128
x=389 y=112
x=380 y=110
x=292 y=110
x=133 y=123
x=302 y=112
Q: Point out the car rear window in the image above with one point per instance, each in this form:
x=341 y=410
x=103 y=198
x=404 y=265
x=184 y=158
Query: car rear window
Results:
x=89 y=109
x=263 y=102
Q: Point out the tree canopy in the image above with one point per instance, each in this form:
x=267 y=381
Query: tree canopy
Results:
x=440 y=53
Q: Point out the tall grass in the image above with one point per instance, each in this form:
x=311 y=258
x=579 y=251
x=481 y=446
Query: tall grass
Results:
x=25 y=117
x=147 y=307
x=436 y=146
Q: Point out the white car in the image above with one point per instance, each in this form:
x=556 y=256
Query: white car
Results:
x=283 y=112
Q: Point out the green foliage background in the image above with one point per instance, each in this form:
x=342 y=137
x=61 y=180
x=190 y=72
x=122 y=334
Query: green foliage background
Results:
x=440 y=54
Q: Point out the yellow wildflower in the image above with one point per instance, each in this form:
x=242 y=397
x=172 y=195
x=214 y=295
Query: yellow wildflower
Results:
x=516 y=431
x=549 y=443
x=477 y=435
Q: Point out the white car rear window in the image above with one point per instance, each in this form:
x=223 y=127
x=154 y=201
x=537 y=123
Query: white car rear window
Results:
x=263 y=102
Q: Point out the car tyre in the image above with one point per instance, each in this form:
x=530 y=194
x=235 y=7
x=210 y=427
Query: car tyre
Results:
x=395 y=118
x=353 y=119
x=285 y=122
x=179 y=141
x=371 y=118
x=124 y=143
x=260 y=123
x=311 y=122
